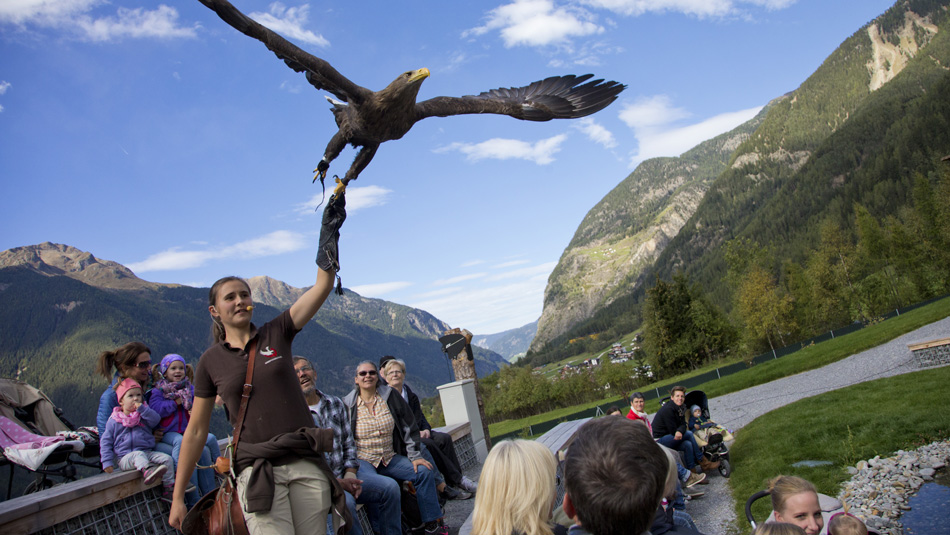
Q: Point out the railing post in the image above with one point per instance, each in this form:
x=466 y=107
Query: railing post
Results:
x=717 y=374
x=832 y=334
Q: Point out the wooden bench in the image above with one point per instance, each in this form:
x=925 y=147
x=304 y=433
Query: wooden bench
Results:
x=931 y=353
x=116 y=503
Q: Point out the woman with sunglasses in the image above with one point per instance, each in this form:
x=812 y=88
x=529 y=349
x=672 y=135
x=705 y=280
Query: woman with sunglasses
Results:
x=134 y=361
x=131 y=361
x=387 y=443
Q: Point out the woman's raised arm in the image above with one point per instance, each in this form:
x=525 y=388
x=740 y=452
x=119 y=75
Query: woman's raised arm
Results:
x=310 y=302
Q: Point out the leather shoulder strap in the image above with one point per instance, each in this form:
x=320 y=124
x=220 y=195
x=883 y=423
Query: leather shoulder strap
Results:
x=246 y=394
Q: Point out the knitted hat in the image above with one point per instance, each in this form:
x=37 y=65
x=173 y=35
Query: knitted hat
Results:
x=694 y=408
x=125 y=386
x=167 y=361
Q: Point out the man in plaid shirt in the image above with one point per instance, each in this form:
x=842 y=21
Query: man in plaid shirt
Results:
x=379 y=493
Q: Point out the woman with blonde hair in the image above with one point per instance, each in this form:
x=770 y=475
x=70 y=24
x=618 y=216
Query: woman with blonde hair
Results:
x=516 y=490
x=795 y=500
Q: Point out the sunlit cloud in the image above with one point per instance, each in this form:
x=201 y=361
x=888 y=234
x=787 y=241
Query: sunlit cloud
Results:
x=357 y=198
x=273 y=244
x=471 y=263
x=290 y=22
x=460 y=278
x=541 y=152
x=596 y=132
x=486 y=308
x=696 y=8
x=380 y=289
x=537 y=23
x=510 y=264
x=528 y=272
x=74 y=18
x=291 y=87
x=658 y=126
x=4 y=86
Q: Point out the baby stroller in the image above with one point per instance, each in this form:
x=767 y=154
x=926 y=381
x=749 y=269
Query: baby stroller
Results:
x=712 y=442
x=37 y=436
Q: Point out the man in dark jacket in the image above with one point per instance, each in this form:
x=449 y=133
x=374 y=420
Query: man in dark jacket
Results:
x=670 y=430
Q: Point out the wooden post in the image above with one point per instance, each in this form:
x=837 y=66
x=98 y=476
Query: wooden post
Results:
x=464 y=367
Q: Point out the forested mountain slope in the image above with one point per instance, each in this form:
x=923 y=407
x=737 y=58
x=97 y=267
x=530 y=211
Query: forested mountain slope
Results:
x=873 y=116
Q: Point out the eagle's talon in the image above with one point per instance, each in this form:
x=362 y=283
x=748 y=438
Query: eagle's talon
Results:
x=340 y=186
x=319 y=174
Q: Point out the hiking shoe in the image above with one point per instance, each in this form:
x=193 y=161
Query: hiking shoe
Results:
x=436 y=527
x=706 y=464
x=696 y=470
x=694 y=479
x=451 y=493
x=693 y=493
x=468 y=485
x=153 y=473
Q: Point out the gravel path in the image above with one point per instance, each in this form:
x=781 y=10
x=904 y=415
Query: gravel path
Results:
x=714 y=513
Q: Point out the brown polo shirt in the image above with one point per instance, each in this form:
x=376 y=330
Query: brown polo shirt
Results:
x=276 y=405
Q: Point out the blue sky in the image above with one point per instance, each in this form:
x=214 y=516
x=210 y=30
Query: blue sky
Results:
x=155 y=135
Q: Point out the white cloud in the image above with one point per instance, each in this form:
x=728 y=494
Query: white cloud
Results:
x=596 y=132
x=537 y=23
x=697 y=8
x=291 y=87
x=380 y=289
x=4 y=86
x=541 y=152
x=357 y=198
x=654 y=121
x=471 y=263
x=529 y=272
x=460 y=278
x=275 y=243
x=74 y=17
x=487 y=308
x=290 y=22
x=510 y=264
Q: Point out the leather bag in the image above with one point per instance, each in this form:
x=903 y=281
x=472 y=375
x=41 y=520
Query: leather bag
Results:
x=219 y=512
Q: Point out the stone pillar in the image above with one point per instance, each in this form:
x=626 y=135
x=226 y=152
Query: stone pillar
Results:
x=459 y=405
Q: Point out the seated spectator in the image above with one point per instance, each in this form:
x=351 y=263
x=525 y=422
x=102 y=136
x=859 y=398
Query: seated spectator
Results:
x=778 y=528
x=795 y=500
x=669 y=429
x=439 y=445
x=668 y=519
x=518 y=484
x=619 y=455
x=613 y=411
x=637 y=412
x=846 y=524
x=387 y=443
x=329 y=412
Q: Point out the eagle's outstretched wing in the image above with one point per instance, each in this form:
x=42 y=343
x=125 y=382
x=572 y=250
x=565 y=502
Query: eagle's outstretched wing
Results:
x=558 y=97
x=319 y=73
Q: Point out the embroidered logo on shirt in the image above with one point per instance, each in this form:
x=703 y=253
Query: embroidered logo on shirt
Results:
x=267 y=352
x=270 y=354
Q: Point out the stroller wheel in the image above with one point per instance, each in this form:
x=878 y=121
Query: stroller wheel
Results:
x=37 y=485
x=724 y=467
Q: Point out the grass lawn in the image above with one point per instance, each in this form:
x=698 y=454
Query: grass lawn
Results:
x=844 y=426
x=809 y=358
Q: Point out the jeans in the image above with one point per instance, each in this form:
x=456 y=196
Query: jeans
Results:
x=400 y=468
x=202 y=478
x=427 y=455
x=381 y=497
x=687 y=445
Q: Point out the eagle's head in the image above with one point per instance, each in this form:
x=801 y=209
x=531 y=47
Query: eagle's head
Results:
x=405 y=87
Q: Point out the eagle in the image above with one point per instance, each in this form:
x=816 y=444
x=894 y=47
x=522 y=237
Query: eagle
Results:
x=367 y=118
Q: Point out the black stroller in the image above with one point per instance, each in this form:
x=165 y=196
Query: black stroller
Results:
x=715 y=447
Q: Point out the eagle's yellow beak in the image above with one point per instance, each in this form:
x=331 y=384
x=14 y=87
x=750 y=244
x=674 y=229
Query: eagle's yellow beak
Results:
x=420 y=74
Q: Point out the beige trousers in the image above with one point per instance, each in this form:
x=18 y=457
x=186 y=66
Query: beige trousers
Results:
x=301 y=501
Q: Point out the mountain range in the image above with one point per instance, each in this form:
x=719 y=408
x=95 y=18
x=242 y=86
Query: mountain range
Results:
x=62 y=306
x=511 y=344
x=873 y=116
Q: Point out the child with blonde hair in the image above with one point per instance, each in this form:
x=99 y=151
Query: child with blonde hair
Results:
x=778 y=528
x=846 y=524
x=172 y=399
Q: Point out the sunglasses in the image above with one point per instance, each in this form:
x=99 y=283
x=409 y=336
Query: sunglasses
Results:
x=364 y=373
x=143 y=365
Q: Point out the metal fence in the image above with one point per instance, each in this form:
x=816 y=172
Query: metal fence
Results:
x=660 y=392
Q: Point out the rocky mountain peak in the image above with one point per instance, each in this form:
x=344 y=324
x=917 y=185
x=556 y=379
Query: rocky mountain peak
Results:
x=58 y=259
x=273 y=292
